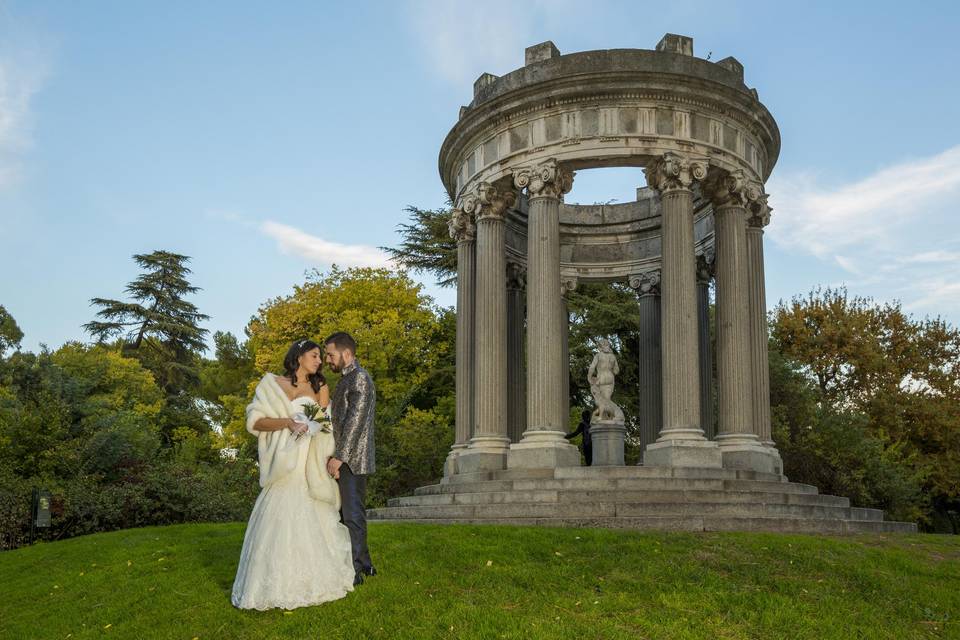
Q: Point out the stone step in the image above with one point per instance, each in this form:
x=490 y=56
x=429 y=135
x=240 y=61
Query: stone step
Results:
x=600 y=473
x=691 y=523
x=664 y=472
x=522 y=510
x=628 y=483
x=625 y=495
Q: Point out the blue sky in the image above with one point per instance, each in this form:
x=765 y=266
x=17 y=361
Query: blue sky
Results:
x=265 y=139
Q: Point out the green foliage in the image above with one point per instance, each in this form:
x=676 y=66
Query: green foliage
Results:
x=10 y=333
x=85 y=423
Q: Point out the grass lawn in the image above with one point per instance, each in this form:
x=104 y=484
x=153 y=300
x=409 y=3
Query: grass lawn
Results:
x=499 y=582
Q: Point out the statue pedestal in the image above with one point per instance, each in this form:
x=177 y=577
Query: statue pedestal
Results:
x=607 y=437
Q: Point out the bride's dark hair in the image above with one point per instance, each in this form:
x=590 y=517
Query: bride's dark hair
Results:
x=291 y=362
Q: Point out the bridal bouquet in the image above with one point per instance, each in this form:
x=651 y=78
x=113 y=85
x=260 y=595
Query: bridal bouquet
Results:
x=317 y=421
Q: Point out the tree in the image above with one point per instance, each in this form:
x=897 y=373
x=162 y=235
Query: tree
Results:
x=902 y=375
x=225 y=383
x=426 y=245
x=10 y=333
x=159 y=318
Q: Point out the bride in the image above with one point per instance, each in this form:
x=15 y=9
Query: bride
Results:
x=296 y=552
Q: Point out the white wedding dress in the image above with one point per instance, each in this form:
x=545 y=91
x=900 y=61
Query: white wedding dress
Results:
x=296 y=553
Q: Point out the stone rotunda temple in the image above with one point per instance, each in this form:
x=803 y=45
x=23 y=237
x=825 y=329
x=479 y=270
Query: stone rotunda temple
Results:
x=707 y=145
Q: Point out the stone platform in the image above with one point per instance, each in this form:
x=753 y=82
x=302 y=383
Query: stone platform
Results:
x=643 y=498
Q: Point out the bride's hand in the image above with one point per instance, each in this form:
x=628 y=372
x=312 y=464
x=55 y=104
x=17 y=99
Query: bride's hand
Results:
x=296 y=427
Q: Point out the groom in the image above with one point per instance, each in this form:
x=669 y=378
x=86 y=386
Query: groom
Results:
x=353 y=457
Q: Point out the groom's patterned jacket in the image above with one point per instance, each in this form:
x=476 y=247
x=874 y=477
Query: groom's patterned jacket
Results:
x=351 y=413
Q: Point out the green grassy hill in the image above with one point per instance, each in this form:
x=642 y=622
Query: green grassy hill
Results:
x=498 y=582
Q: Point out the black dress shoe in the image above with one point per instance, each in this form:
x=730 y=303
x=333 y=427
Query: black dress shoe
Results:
x=371 y=571
x=357 y=579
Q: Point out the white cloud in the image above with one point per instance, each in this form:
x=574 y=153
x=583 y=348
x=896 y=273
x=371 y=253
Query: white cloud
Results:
x=293 y=241
x=23 y=70
x=892 y=232
x=822 y=220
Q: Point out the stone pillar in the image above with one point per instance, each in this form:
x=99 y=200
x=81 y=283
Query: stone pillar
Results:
x=650 y=411
x=759 y=217
x=463 y=229
x=489 y=445
x=543 y=444
x=516 y=376
x=739 y=444
x=705 y=269
x=567 y=285
x=682 y=441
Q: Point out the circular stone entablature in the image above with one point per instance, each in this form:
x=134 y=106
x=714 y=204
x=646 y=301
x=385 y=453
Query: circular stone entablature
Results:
x=617 y=107
x=609 y=108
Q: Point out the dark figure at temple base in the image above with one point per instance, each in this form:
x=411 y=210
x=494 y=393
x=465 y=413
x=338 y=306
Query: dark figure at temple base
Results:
x=584 y=428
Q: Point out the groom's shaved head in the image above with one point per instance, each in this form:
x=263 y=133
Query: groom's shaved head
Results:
x=343 y=341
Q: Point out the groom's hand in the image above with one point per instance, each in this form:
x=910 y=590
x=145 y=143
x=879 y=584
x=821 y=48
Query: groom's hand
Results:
x=333 y=467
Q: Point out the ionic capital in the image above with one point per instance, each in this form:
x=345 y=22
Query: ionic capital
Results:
x=672 y=171
x=568 y=284
x=646 y=284
x=462 y=226
x=516 y=276
x=545 y=180
x=706 y=266
x=489 y=202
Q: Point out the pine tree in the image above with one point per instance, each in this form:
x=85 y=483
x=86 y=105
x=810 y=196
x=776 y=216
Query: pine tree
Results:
x=158 y=326
x=427 y=245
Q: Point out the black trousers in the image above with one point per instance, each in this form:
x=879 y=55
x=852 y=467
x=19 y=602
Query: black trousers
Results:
x=353 y=514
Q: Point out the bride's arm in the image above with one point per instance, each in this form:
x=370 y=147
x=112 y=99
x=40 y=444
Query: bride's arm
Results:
x=275 y=424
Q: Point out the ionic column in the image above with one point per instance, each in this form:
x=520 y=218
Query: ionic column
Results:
x=516 y=376
x=705 y=268
x=682 y=441
x=463 y=229
x=543 y=445
x=739 y=444
x=649 y=372
x=489 y=445
x=759 y=217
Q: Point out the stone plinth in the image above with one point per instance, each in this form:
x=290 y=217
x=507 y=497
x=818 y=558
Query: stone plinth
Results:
x=608 y=437
x=683 y=453
x=543 y=450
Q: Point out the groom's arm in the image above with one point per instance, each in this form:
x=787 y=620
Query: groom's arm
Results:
x=355 y=417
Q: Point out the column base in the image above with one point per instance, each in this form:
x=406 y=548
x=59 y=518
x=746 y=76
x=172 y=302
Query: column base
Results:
x=450 y=466
x=607 y=437
x=694 y=434
x=744 y=451
x=683 y=453
x=543 y=450
x=485 y=453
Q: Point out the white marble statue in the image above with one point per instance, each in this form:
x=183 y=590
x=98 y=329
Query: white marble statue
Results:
x=601 y=375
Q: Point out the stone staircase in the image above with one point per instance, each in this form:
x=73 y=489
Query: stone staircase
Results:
x=651 y=498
